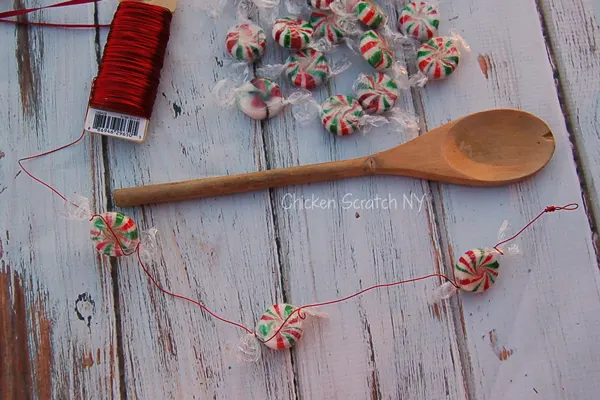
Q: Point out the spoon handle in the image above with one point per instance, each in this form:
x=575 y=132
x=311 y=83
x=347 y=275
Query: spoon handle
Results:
x=224 y=185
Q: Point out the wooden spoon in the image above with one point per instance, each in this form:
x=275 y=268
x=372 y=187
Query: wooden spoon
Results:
x=488 y=148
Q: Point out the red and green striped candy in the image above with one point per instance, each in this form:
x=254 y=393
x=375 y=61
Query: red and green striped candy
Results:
x=320 y=4
x=274 y=320
x=476 y=270
x=326 y=25
x=307 y=68
x=292 y=33
x=438 y=58
x=114 y=234
x=341 y=115
x=246 y=42
x=260 y=98
x=375 y=49
x=376 y=93
x=369 y=13
x=420 y=20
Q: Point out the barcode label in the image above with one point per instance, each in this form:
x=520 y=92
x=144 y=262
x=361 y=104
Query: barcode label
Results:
x=115 y=124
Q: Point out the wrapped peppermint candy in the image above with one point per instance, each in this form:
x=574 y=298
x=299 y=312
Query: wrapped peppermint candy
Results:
x=438 y=58
x=476 y=271
x=113 y=234
x=327 y=25
x=308 y=68
x=378 y=93
x=341 y=115
x=258 y=98
x=292 y=32
x=246 y=41
x=280 y=327
x=419 y=20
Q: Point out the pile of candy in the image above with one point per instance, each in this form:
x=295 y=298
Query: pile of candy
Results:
x=319 y=27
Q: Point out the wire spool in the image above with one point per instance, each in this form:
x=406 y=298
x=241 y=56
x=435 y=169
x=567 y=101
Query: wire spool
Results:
x=124 y=91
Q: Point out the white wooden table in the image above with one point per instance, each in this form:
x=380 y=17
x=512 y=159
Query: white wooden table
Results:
x=77 y=325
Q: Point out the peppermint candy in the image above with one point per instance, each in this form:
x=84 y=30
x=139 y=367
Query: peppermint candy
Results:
x=114 y=234
x=438 y=58
x=260 y=99
x=476 y=270
x=246 y=42
x=275 y=330
x=369 y=13
x=292 y=33
x=326 y=25
x=376 y=93
x=375 y=49
x=419 y=20
x=341 y=115
x=307 y=68
x=320 y=4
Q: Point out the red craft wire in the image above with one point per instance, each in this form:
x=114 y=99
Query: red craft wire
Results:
x=24 y=11
x=549 y=209
x=129 y=73
x=568 y=207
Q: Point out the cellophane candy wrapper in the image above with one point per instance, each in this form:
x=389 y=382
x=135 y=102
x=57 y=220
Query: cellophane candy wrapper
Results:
x=247 y=349
x=149 y=248
x=77 y=209
x=258 y=98
x=307 y=69
x=267 y=9
x=214 y=8
x=438 y=58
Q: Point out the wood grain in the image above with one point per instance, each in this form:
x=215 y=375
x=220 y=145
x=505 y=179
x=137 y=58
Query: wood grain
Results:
x=221 y=252
x=74 y=325
x=573 y=32
x=47 y=262
x=375 y=346
x=544 y=303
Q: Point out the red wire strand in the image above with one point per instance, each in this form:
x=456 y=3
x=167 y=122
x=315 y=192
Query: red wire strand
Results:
x=23 y=11
x=137 y=251
x=20 y=162
x=129 y=73
x=55 y=25
x=549 y=209
x=383 y=285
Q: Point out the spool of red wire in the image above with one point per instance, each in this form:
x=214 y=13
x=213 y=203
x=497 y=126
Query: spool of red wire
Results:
x=124 y=92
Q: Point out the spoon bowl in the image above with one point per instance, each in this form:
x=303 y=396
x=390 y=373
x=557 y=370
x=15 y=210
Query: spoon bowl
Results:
x=487 y=148
x=499 y=145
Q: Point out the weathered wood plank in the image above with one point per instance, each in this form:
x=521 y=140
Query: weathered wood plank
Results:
x=220 y=251
x=530 y=333
x=385 y=344
x=573 y=32
x=57 y=326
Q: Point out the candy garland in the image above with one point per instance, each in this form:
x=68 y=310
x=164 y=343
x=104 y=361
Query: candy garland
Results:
x=280 y=327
